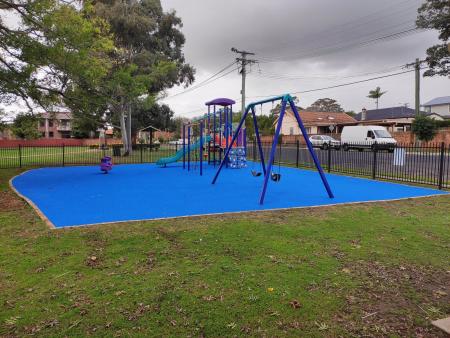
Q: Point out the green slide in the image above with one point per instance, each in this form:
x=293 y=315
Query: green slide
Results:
x=179 y=154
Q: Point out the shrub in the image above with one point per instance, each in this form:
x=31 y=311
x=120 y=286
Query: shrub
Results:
x=424 y=127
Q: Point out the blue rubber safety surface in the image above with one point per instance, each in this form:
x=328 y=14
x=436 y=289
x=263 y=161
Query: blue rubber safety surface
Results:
x=72 y=196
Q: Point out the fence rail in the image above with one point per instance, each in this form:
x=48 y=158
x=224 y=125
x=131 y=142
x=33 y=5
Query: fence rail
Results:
x=413 y=163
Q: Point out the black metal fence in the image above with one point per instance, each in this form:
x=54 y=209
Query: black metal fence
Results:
x=421 y=164
x=413 y=163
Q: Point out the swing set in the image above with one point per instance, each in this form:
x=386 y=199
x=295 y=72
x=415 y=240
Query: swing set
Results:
x=267 y=170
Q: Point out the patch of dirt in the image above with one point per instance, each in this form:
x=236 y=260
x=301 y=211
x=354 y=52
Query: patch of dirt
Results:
x=9 y=201
x=398 y=300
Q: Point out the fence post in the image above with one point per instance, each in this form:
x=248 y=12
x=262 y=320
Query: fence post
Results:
x=297 y=154
x=20 y=156
x=329 y=158
x=140 y=149
x=441 y=165
x=374 y=163
x=63 y=155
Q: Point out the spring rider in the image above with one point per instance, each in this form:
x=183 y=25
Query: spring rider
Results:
x=106 y=164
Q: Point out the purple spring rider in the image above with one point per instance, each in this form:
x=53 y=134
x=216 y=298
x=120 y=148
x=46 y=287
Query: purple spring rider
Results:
x=106 y=164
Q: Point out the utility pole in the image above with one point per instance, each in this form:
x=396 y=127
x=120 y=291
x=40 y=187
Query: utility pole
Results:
x=243 y=61
x=416 y=66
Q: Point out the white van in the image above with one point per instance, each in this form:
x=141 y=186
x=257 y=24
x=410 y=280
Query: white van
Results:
x=360 y=137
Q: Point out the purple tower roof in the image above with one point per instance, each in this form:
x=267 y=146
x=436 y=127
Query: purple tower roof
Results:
x=220 y=102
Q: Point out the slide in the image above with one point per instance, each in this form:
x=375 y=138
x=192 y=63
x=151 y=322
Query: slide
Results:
x=179 y=154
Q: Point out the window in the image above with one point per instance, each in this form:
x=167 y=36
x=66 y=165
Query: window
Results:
x=64 y=123
x=42 y=123
x=308 y=130
x=382 y=134
x=65 y=134
x=50 y=134
x=291 y=131
x=370 y=134
x=50 y=123
x=42 y=133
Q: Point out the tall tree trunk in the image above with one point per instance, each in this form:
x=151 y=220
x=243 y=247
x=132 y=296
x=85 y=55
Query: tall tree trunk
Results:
x=130 y=142
x=123 y=130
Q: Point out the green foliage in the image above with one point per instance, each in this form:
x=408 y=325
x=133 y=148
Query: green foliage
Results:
x=84 y=126
x=376 y=94
x=325 y=105
x=424 y=127
x=56 y=55
x=148 y=58
x=3 y=124
x=435 y=14
x=443 y=124
x=25 y=126
x=351 y=113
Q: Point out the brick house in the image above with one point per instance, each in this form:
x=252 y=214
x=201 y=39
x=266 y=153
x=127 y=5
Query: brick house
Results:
x=394 y=118
x=315 y=122
x=55 y=125
x=439 y=105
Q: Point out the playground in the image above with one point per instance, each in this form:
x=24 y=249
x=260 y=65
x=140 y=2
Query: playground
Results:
x=74 y=196
x=208 y=175
x=292 y=251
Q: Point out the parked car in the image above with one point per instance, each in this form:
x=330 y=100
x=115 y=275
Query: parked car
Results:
x=324 y=142
x=372 y=137
x=177 y=142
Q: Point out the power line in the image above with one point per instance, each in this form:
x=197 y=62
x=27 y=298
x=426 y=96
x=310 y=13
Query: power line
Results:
x=204 y=82
x=338 y=47
x=351 y=26
x=275 y=76
x=337 y=86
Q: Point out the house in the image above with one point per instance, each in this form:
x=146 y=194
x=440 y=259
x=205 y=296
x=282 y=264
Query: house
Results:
x=55 y=125
x=439 y=105
x=393 y=118
x=315 y=122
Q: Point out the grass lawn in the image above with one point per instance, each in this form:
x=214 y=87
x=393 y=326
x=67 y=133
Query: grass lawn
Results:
x=362 y=270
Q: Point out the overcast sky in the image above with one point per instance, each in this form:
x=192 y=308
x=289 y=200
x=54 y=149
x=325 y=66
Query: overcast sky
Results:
x=303 y=45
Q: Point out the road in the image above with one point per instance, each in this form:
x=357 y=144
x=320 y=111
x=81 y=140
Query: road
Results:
x=424 y=166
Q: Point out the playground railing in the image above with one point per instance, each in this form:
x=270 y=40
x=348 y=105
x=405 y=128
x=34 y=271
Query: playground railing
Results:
x=413 y=163
x=64 y=155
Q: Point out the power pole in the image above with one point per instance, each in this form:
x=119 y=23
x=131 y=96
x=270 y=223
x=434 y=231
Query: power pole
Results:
x=243 y=61
x=416 y=66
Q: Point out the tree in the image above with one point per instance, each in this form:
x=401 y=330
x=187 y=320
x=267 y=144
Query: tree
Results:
x=55 y=54
x=148 y=60
x=83 y=126
x=325 y=105
x=435 y=14
x=25 y=126
x=424 y=127
x=351 y=113
x=3 y=124
x=376 y=94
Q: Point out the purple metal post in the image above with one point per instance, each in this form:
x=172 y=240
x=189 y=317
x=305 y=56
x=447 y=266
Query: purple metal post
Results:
x=220 y=135
x=258 y=140
x=311 y=149
x=189 y=147
x=184 y=146
x=214 y=136
x=244 y=142
x=201 y=148
x=209 y=131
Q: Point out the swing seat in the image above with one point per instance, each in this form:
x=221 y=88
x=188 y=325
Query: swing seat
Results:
x=275 y=177
x=255 y=173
